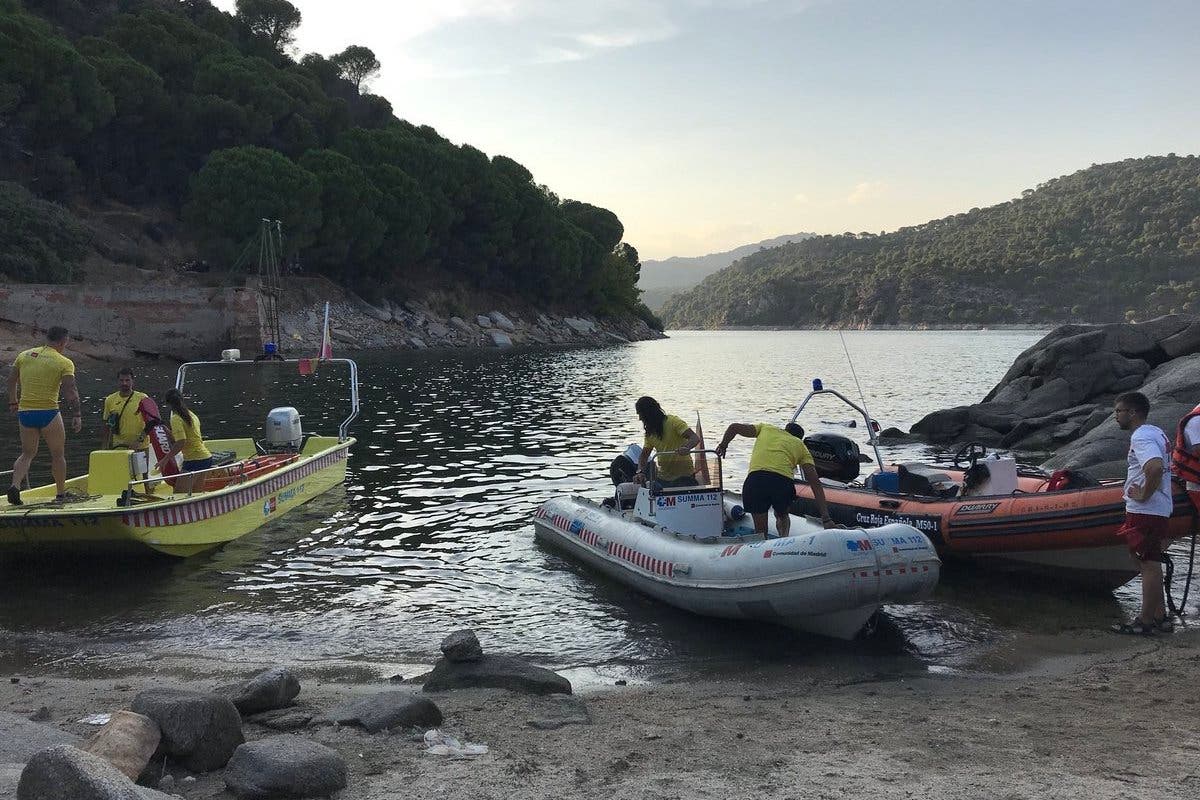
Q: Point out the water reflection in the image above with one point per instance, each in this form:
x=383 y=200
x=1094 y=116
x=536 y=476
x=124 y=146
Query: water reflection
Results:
x=431 y=531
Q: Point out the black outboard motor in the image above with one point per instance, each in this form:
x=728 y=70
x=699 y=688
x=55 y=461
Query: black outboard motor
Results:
x=836 y=457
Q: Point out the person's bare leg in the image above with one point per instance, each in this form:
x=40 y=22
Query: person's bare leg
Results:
x=29 y=447
x=783 y=523
x=1154 y=605
x=760 y=523
x=55 y=435
x=183 y=484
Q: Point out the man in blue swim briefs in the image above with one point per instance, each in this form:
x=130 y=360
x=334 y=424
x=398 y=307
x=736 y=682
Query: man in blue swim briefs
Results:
x=33 y=386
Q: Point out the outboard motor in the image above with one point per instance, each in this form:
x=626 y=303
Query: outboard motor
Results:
x=836 y=457
x=283 y=431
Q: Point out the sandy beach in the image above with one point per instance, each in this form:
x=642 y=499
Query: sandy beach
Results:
x=1086 y=714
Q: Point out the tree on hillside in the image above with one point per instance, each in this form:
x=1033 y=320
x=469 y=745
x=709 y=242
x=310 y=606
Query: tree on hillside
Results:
x=602 y=224
x=46 y=87
x=357 y=64
x=277 y=20
x=240 y=186
x=351 y=230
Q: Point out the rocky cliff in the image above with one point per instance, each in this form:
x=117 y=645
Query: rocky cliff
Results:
x=1058 y=394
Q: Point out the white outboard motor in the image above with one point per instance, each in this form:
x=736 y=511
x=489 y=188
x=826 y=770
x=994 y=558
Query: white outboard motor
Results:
x=283 y=429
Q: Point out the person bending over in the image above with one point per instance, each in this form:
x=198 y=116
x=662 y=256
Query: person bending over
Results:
x=768 y=485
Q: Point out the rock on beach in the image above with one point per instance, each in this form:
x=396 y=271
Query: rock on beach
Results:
x=284 y=766
x=201 y=730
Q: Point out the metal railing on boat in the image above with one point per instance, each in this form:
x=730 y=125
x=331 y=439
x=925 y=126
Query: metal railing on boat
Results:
x=234 y=478
x=343 y=428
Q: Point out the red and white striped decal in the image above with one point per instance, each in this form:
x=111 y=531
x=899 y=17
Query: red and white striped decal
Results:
x=648 y=563
x=204 y=508
x=655 y=565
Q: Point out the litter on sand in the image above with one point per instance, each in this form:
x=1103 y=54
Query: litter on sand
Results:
x=439 y=744
x=96 y=719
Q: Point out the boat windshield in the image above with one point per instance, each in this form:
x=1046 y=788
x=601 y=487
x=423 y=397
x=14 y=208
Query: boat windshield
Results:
x=702 y=474
x=303 y=366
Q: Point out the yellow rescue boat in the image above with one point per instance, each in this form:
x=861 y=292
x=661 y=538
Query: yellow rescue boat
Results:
x=114 y=508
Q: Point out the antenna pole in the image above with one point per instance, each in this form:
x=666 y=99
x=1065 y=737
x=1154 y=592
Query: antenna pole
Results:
x=873 y=441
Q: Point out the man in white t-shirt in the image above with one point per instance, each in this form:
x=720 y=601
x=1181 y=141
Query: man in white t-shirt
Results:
x=1148 y=507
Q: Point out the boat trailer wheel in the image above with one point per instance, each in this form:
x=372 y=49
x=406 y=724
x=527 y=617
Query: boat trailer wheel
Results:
x=968 y=454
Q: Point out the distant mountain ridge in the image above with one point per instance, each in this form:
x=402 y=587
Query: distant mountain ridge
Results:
x=1116 y=241
x=684 y=272
x=661 y=280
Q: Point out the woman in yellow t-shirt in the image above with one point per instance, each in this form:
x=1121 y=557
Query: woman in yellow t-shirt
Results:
x=669 y=437
x=185 y=438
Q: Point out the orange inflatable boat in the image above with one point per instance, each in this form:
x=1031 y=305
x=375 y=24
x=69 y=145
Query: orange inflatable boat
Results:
x=1062 y=525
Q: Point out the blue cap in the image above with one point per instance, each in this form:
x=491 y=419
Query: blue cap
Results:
x=817 y=385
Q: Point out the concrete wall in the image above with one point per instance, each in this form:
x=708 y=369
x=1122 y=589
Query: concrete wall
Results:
x=173 y=321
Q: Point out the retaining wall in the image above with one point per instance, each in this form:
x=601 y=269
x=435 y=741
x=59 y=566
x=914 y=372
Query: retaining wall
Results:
x=174 y=321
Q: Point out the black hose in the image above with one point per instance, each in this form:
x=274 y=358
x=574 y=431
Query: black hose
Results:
x=1169 y=571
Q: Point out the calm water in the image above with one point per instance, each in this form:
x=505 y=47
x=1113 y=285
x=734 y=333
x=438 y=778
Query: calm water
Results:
x=431 y=531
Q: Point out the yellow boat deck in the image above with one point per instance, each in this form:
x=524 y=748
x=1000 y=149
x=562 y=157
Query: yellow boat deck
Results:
x=105 y=510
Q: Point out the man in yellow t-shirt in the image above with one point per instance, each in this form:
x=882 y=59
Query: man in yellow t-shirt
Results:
x=768 y=485
x=122 y=425
x=34 y=382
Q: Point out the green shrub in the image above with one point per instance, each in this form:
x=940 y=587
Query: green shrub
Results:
x=40 y=242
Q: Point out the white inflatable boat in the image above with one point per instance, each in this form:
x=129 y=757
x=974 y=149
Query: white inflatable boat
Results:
x=684 y=547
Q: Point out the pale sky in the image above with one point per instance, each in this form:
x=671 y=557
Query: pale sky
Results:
x=709 y=124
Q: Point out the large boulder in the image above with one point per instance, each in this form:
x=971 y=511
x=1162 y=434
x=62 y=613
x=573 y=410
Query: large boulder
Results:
x=462 y=646
x=284 y=766
x=1172 y=389
x=502 y=322
x=201 y=730
x=20 y=738
x=496 y=672
x=63 y=772
x=1185 y=342
x=127 y=741
x=385 y=710
x=946 y=425
x=275 y=688
x=580 y=326
x=1060 y=391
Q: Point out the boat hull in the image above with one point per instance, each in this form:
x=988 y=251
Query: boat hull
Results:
x=1068 y=535
x=823 y=582
x=177 y=527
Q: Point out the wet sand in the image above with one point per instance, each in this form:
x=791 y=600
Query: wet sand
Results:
x=1083 y=714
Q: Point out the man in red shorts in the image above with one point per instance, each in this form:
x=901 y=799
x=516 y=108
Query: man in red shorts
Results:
x=1148 y=506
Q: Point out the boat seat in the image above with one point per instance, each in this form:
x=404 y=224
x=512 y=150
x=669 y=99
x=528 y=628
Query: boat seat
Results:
x=1001 y=476
x=926 y=481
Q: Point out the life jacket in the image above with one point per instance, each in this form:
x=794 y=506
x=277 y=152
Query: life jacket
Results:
x=160 y=440
x=1184 y=465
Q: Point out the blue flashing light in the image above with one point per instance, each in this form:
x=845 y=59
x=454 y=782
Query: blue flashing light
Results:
x=817 y=385
x=270 y=348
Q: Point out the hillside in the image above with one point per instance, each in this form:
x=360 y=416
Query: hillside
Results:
x=1110 y=242
x=661 y=279
x=158 y=133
